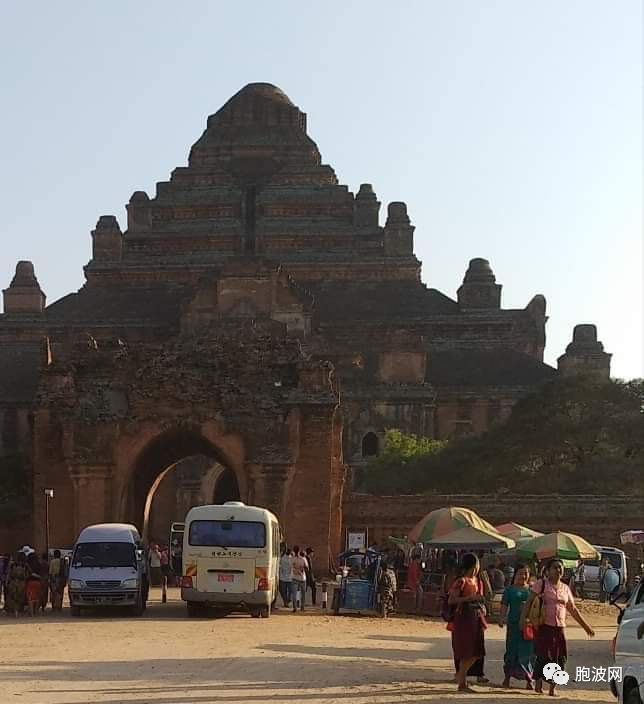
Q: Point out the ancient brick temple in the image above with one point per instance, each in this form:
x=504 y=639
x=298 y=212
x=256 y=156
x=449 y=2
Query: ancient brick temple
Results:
x=255 y=328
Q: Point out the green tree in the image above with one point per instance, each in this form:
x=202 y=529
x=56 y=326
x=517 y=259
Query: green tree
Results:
x=400 y=450
x=572 y=436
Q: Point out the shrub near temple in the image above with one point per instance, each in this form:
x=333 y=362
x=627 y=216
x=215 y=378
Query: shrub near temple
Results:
x=574 y=436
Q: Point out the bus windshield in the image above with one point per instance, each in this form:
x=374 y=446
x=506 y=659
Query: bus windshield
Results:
x=228 y=534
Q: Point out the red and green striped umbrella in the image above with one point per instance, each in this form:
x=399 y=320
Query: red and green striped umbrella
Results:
x=566 y=546
x=446 y=520
x=517 y=532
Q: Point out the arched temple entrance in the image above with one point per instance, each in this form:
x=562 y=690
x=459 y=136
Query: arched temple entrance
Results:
x=232 y=410
x=177 y=470
x=226 y=488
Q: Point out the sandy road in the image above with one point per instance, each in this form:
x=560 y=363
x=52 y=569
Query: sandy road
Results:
x=314 y=658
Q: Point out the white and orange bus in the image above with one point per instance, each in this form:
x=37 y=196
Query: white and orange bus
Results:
x=230 y=559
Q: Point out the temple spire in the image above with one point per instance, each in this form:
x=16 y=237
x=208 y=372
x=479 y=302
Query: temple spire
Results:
x=24 y=295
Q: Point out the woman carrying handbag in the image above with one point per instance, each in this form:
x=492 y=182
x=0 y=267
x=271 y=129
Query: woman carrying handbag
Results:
x=550 y=638
x=519 y=649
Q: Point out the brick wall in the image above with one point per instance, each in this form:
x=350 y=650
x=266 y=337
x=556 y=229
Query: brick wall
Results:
x=15 y=534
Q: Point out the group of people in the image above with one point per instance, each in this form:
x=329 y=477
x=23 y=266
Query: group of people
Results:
x=529 y=646
x=28 y=582
x=296 y=575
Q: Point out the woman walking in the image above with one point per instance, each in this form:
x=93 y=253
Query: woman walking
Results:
x=34 y=583
x=550 y=640
x=15 y=589
x=44 y=581
x=519 y=651
x=57 y=581
x=285 y=569
x=468 y=644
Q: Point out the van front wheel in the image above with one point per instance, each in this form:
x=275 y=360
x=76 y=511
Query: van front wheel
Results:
x=138 y=608
x=264 y=611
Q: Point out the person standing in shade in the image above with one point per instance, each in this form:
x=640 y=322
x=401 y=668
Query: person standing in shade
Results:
x=57 y=579
x=310 y=575
x=285 y=569
x=550 y=641
x=387 y=587
x=4 y=569
x=165 y=562
x=176 y=559
x=414 y=584
x=508 y=572
x=16 y=585
x=298 y=578
x=44 y=582
x=496 y=576
x=155 y=565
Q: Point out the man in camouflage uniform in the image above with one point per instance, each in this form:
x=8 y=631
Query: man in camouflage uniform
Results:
x=387 y=586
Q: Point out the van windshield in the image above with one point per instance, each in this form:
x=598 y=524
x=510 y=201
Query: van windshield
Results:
x=228 y=534
x=104 y=555
x=614 y=560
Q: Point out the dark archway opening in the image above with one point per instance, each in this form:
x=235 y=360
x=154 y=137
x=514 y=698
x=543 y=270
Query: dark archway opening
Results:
x=370 y=445
x=176 y=471
x=226 y=488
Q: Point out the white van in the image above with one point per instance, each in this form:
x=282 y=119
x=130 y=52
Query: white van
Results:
x=230 y=559
x=616 y=560
x=107 y=569
x=629 y=651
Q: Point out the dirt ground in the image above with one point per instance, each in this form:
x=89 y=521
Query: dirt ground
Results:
x=310 y=658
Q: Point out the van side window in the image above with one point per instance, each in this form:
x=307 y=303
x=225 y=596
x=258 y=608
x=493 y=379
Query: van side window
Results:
x=639 y=599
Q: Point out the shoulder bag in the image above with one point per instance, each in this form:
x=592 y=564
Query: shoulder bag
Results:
x=536 y=612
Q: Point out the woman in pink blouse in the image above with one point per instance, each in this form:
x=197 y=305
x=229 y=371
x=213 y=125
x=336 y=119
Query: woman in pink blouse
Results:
x=550 y=639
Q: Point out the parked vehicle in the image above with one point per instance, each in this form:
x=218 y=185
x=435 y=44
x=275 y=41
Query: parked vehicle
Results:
x=230 y=559
x=175 y=545
x=357 y=589
x=617 y=561
x=108 y=569
x=629 y=649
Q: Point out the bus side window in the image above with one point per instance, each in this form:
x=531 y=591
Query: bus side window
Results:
x=276 y=541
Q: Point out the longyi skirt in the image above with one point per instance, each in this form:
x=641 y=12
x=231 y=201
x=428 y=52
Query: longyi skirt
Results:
x=467 y=636
x=34 y=590
x=549 y=646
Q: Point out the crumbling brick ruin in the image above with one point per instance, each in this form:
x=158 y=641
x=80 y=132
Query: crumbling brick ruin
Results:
x=255 y=318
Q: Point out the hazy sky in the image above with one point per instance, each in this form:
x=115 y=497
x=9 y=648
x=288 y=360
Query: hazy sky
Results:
x=512 y=129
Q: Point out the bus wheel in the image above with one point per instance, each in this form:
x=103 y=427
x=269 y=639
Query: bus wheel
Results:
x=264 y=611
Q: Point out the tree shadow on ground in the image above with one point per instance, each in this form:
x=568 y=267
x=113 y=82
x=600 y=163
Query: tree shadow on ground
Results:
x=319 y=674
